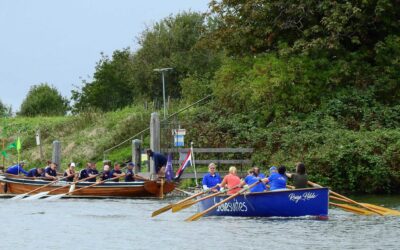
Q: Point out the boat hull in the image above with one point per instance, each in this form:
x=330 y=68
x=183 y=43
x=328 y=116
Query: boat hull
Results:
x=285 y=203
x=107 y=189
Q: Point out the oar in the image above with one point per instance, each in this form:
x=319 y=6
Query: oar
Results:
x=168 y=207
x=348 y=199
x=350 y=208
x=198 y=215
x=56 y=197
x=185 y=192
x=20 y=196
x=39 y=195
x=183 y=205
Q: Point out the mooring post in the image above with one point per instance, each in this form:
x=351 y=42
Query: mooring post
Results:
x=137 y=154
x=154 y=139
x=57 y=154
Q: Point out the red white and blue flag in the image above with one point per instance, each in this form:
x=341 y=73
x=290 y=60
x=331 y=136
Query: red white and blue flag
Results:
x=186 y=162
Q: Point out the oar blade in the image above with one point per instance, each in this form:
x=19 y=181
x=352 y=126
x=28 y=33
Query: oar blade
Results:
x=194 y=217
x=36 y=196
x=183 y=205
x=161 y=210
x=385 y=210
x=18 y=197
x=54 y=197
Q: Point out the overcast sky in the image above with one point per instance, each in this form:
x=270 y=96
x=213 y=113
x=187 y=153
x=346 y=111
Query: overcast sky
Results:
x=59 y=42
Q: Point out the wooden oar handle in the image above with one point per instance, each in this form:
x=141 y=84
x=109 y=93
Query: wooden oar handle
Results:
x=97 y=183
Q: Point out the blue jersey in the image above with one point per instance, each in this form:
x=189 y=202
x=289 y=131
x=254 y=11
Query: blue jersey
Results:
x=277 y=181
x=211 y=180
x=115 y=172
x=261 y=176
x=250 y=179
x=106 y=175
x=15 y=170
x=33 y=173
x=51 y=172
x=83 y=174
x=159 y=161
x=92 y=172
x=129 y=175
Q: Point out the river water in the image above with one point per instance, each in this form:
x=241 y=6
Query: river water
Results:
x=126 y=224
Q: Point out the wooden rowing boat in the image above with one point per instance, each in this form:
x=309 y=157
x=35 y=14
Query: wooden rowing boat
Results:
x=284 y=203
x=21 y=185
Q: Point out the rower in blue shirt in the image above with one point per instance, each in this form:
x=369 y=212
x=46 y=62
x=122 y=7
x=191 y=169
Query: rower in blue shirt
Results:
x=211 y=179
x=17 y=169
x=116 y=172
x=51 y=173
x=92 y=171
x=83 y=174
x=35 y=172
x=129 y=175
x=254 y=177
x=257 y=173
x=277 y=180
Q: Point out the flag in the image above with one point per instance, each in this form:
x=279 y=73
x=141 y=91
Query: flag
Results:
x=168 y=169
x=185 y=163
x=18 y=146
x=12 y=145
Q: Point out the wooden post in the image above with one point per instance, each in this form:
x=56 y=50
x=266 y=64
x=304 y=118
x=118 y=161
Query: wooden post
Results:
x=57 y=154
x=154 y=139
x=39 y=143
x=137 y=154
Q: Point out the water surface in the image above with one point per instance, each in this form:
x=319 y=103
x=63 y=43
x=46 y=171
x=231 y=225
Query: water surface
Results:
x=126 y=224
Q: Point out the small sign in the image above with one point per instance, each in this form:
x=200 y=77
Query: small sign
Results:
x=37 y=138
x=179 y=137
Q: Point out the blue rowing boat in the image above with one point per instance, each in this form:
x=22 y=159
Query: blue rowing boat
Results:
x=284 y=203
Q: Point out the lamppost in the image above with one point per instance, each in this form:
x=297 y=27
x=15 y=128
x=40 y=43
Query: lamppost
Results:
x=163 y=84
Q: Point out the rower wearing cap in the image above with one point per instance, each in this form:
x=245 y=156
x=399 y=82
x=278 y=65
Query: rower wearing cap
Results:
x=129 y=175
x=70 y=172
x=17 y=169
x=51 y=172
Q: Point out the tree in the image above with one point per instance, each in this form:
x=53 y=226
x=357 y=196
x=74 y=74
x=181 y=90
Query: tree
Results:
x=5 y=110
x=44 y=100
x=110 y=88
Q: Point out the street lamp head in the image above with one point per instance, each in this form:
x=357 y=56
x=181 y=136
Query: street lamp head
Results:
x=162 y=69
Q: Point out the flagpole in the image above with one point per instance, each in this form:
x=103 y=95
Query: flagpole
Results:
x=194 y=164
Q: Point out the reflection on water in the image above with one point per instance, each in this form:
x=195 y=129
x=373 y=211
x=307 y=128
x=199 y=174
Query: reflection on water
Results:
x=126 y=224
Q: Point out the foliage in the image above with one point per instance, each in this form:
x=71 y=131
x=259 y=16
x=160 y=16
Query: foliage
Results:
x=110 y=88
x=43 y=100
x=5 y=110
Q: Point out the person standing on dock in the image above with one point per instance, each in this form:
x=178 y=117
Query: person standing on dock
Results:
x=92 y=171
x=129 y=175
x=16 y=169
x=116 y=172
x=160 y=161
x=35 y=172
x=211 y=179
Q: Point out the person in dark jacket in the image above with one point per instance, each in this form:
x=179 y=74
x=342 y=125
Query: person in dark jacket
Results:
x=92 y=171
x=116 y=172
x=160 y=161
x=83 y=174
x=35 y=172
x=129 y=175
x=51 y=172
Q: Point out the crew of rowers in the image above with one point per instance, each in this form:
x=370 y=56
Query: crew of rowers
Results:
x=70 y=175
x=277 y=179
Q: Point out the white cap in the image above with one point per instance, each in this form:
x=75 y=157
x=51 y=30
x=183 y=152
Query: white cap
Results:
x=72 y=164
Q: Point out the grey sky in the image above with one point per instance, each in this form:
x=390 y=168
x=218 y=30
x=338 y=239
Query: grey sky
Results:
x=59 y=41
